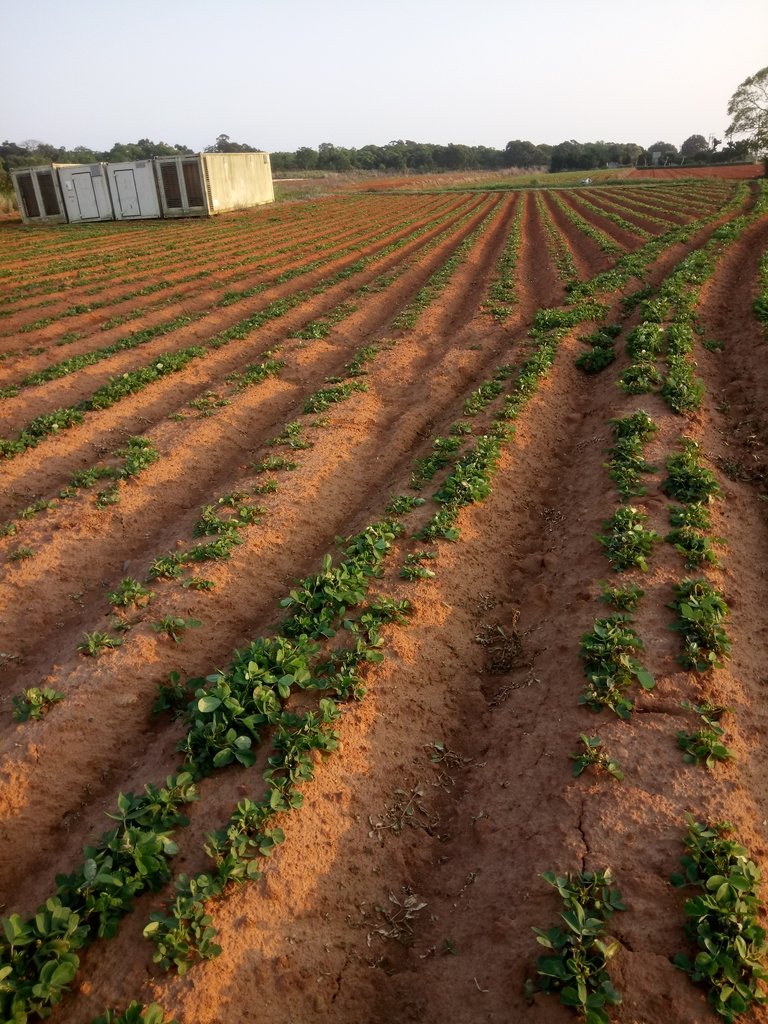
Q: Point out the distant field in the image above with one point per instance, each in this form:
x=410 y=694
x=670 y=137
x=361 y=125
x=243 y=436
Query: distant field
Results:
x=321 y=512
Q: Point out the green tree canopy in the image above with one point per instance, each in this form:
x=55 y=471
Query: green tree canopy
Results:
x=521 y=153
x=224 y=144
x=748 y=109
x=694 y=144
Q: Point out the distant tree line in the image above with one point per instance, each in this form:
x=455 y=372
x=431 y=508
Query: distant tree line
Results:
x=399 y=156
x=31 y=152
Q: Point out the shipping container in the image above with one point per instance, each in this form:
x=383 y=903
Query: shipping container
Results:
x=38 y=195
x=85 y=191
x=133 y=189
x=209 y=183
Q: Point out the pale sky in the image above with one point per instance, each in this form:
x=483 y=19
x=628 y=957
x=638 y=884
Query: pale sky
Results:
x=279 y=74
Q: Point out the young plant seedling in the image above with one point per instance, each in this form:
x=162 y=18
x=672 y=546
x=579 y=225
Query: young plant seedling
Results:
x=594 y=755
x=575 y=966
x=175 y=627
x=172 y=696
x=701 y=611
x=34 y=702
x=412 y=568
x=20 y=554
x=610 y=667
x=129 y=592
x=704 y=746
x=197 y=583
x=626 y=541
x=623 y=599
x=94 y=644
x=135 y=1013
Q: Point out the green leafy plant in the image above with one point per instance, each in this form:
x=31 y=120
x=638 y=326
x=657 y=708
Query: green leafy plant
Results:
x=129 y=592
x=271 y=463
x=610 y=665
x=172 y=696
x=426 y=467
x=174 y=626
x=185 y=935
x=325 y=398
x=687 y=480
x=135 y=1013
x=402 y=504
x=291 y=436
x=639 y=378
x=94 y=644
x=412 y=568
x=704 y=746
x=688 y=537
x=701 y=612
x=602 y=352
x=197 y=583
x=593 y=755
x=723 y=920
x=575 y=966
x=20 y=554
x=34 y=702
x=166 y=567
x=637 y=425
x=623 y=599
x=626 y=541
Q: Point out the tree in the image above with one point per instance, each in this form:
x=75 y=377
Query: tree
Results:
x=521 y=153
x=224 y=144
x=749 y=109
x=666 y=149
x=694 y=144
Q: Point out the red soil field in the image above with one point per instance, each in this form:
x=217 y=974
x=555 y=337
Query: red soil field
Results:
x=726 y=172
x=290 y=373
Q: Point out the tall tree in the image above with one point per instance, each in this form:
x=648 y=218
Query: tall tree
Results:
x=224 y=144
x=749 y=110
x=522 y=153
x=694 y=144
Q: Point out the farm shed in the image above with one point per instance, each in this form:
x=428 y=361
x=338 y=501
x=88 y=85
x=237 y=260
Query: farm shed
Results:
x=209 y=183
x=38 y=195
x=133 y=190
x=85 y=191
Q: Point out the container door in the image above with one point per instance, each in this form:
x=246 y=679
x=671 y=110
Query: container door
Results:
x=127 y=193
x=86 y=195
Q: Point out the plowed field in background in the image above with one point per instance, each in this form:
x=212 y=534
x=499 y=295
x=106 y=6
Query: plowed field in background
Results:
x=452 y=785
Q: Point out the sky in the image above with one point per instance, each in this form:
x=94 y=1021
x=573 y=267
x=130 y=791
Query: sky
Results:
x=279 y=74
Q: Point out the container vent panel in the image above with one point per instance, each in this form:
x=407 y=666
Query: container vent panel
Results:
x=28 y=197
x=171 y=186
x=48 y=193
x=193 y=183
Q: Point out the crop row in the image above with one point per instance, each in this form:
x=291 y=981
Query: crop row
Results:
x=729 y=967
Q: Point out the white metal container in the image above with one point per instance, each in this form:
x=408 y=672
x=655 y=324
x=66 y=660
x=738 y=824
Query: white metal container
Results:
x=85 y=191
x=209 y=183
x=133 y=189
x=38 y=195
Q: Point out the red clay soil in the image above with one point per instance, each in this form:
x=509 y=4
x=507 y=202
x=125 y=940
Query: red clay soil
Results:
x=727 y=172
x=410 y=880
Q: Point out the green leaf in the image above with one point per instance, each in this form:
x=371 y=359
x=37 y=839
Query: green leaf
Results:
x=645 y=679
x=222 y=758
x=208 y=704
